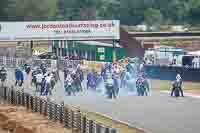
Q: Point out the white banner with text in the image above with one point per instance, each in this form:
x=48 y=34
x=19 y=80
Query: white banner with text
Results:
x=60 y=30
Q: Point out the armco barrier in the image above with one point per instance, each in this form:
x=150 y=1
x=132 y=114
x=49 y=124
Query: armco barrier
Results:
x=170 y=72
x=65 y=63
x=11 y=61
x=69 y=117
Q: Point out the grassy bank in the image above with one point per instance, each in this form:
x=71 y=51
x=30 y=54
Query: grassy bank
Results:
x=106 y=121
x=156 y=85
x=123 y=128
x=166 y=85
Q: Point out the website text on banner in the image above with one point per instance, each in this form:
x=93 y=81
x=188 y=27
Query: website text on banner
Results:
x=60 y=30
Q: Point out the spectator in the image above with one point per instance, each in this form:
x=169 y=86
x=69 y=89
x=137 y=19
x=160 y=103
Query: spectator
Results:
x=19 y=77
x=174 y=60
x=195 y=62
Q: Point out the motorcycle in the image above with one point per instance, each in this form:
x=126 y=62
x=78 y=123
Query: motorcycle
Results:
x=69 y=88
x=110 y=88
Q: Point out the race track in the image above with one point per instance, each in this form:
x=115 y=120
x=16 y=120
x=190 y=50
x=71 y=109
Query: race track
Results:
x=155 y=114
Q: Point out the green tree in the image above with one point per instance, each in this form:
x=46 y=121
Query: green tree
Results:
x=109 y=9
x=132 y=11
x=178 y=11
x=3 y=7
x=153 y=17
x=194 y=12
x=67 y=10
x=39 y=9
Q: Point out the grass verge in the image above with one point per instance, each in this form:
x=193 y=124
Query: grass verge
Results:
x=166 y=85
x=123 y=128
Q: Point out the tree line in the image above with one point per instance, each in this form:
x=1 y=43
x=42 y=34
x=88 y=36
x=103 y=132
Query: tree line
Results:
x=130 y=12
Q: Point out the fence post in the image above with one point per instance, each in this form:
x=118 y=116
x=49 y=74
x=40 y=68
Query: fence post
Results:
x=49 y=109
x=54 y=111
x=66 y=117
x=44 y=107
x=38 y=105
x=4 y=60
x=9 y=96
x=31 y=102
x=34 y=104
x=62 y=112
x=97 y=127
x=89 y=125
x=27 y=101
x=12 y=96
x=20 y=97
x=58 y=113
x=1 y=60
x=69 y=121
x=79 y=119
x=113 y=130
x=76 y=120
x=23 y=98
x=102 y=129
x=83 y=124
x=4 y=93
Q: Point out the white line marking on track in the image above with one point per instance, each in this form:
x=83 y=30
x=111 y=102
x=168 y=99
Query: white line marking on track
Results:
x=185 y=94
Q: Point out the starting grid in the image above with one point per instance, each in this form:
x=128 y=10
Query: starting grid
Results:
x=69 y=117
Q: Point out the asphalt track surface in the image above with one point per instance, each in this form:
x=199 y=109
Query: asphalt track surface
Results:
x=158 y=113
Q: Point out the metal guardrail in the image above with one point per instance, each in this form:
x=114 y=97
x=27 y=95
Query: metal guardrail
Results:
x=37 y=62
x=14 y=62
x=11 y=62
x=69 y=117
x=65 y=63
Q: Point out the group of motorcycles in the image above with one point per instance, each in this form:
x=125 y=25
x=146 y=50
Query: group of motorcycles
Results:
x=74 y=78
x=42 y=87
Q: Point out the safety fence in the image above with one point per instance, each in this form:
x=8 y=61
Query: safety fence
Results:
x=38 y=62
x=90 y=65
x=170 y=72
x=71 y=118
x=11 y=61
x=65 y=63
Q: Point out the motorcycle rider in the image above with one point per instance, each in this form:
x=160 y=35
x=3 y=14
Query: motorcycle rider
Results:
x=177 y=85
x=27 y=68
x=39 y=79
x=140 y=85
x=110 y=85
x=69 y=85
